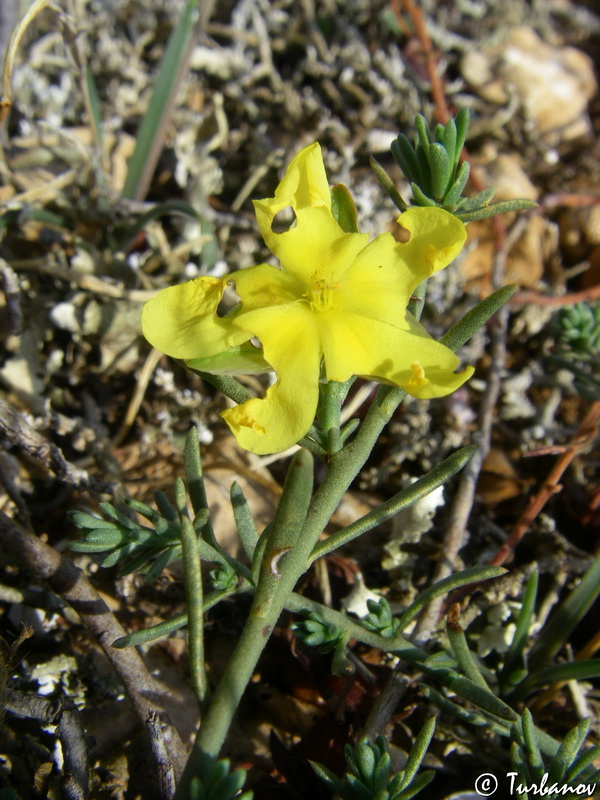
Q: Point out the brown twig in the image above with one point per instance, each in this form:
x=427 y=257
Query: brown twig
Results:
x=572 y=200
x=437 y=90
x=16 y=431
x=585 y=433
x=70 y=732
x=71 y=584
x=535 y=298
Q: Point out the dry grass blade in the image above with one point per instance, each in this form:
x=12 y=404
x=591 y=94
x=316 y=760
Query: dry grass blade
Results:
x=11 y=52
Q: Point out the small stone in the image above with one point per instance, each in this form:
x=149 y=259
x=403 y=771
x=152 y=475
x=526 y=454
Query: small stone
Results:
x=554 y=84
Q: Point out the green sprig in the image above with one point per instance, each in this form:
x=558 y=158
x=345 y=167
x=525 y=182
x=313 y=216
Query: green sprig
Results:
x=437 y=176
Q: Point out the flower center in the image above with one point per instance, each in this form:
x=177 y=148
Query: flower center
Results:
x=320 y=294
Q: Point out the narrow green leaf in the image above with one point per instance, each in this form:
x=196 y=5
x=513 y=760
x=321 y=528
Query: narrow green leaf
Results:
x=476 y=201
x=441 y=171
x=515 y=657
x=455 y=191
x=417 y=753
x=447 y=585
x=293 y=503
x=462 y=120
x=421 y=152
x=420 y=198
x=448 y=139
x=258 y=554
x=165 y=86
x=423 y=132
x=89 y=547
x=230 y=785
x=241 y=359
x=89 y=521
x=113 y=558
x=226 y=384
x=572 y=671
x=169 y=626
x=192 y=464
x=141 y=508
x=151 y=634
x=41 y=215
x=192 y=576
x=343 y=208
x=419 y=783
x=113 y=513
x=518 y=764
x=365 y=758
x=361 y=792
x=135 y=564
x=464 y=714
x=218 y=771
x=587 y=758
x=351 y=759
x=404 y=499
x=406 y=158
x=381 y=773
x=180 y=498
x=106 y=537
x=388 y=185
x=532 y=750
x=124 y=235
x=328 y=778
x=501 y=207
x=244 y=521
x=464 y=657
x=163 y=561
x=482 y=698
x=564 y=622
x=165 y=506
x=348 y=429
x=477 y=317
x=568 y=750
x=201 y=520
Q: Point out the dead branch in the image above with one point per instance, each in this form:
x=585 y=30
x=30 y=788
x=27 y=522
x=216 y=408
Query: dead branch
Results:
x=71 y=584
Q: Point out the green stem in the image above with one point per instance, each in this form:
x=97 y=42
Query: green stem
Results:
x=330 y=405
x=283 y=562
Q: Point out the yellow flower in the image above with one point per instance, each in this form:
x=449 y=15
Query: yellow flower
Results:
x=338 y=302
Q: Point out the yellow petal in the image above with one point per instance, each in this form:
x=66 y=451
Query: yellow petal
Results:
x=266 y=285
x=316 y=246
x=436 y=238
x=376 y=283
x=304 y=185
x=182 y=321
x=291 y=345
x=353 y=344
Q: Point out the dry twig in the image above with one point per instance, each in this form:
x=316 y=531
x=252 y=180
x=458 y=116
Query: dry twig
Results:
x=17 y=432
x=46 y=564
x=585 y=433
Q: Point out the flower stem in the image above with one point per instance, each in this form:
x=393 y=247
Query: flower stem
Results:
x=330 y=404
